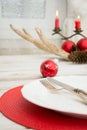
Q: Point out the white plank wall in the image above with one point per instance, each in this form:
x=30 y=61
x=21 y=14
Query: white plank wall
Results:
x=11 y=43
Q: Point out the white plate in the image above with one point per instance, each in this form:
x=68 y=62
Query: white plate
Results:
x=61 y=101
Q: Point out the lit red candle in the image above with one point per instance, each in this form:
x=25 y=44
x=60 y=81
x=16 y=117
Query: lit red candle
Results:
x=56 y=21
x=77 y=23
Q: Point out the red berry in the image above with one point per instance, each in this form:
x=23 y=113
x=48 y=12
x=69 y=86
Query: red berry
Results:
x=82 y=44
x=67 y=45
x=48 y=68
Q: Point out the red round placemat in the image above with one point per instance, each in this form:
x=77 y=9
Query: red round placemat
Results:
x=16 y=108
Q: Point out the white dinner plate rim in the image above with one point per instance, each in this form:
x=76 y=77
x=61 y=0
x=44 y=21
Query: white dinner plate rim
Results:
x=72 y=113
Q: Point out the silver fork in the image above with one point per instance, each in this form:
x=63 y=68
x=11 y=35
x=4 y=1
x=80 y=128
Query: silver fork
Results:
x=49 y=86
x=50 y=83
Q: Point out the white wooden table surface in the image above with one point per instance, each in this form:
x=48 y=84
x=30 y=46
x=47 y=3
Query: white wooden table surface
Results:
x=18 y=70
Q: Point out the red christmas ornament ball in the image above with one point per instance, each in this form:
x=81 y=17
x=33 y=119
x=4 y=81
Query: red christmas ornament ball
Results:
x=49 y=68
x=82 y=44
x=67 y=45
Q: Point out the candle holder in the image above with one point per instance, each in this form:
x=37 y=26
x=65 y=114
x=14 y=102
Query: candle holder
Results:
x=76 y=32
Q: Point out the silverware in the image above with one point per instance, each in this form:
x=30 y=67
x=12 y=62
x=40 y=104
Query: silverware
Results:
x=50 y=84
x=66 y=86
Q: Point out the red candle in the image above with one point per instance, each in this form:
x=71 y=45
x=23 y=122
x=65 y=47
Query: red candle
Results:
x=77 y=23
x=56 y=21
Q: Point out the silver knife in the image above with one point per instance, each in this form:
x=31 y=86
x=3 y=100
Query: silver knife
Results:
x=66 y=86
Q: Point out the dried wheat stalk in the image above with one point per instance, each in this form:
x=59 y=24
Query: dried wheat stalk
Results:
x=29 y=38
x=44 y=44
x=54 y=48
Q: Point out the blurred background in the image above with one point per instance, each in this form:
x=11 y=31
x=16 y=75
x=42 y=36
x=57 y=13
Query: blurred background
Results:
x=28 y=14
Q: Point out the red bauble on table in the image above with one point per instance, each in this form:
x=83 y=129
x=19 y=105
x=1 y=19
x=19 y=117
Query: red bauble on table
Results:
x=49 y=68
x=67 y=45
x=82 y=44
